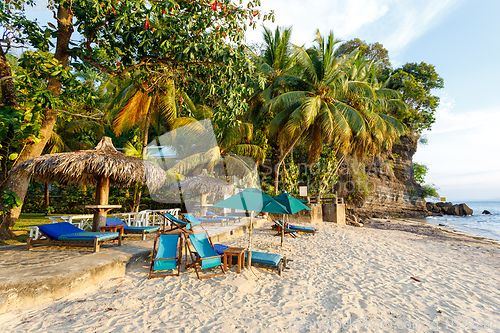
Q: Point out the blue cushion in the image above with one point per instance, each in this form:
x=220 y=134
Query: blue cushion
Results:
x=167 y=248
x=141 y=229
x=55 y=230
x=219 y=248
x=297 y=227
x=88 y=236
x=203 y=247
x=208 y=219
x=114 y=221
x=265 y=258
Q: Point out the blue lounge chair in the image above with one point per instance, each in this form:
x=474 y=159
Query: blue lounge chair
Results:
x=287 y=231
x=185 y=226
x=196 y=219
x=299 y=228
x=224 y=216
x=262 y=258
x=131 y=230
x=205 y=255
x=167 y=255
x=66 y=234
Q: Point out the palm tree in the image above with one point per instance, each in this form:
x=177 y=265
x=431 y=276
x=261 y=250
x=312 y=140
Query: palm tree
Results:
x=336 y=106
x=316 y=114
x=274 y=66
x=142 y=97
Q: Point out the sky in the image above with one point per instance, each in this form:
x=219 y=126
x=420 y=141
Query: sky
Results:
x=460 y=38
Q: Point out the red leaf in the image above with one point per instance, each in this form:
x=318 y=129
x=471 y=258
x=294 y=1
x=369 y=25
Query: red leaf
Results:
x=214 y=6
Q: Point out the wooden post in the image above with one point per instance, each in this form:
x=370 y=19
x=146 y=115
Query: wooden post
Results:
x=283 y=231
x=249 y=255
x=101 y=198
x=203 y=208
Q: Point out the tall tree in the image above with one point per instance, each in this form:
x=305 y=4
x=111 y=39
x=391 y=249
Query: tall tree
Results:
x=415 y=82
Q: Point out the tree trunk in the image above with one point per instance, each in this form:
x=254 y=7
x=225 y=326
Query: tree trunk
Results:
x=280 y=161
x=19 y=185
x=9 y=97
x=47 y=196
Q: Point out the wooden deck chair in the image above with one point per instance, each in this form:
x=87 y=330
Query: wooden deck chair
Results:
x=167 y=255
x=185 y=226
x=281 y=225
x=132 y=230
x=66 y=234
x=205 y=255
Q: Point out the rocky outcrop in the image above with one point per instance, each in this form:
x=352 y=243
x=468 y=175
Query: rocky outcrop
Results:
x=394 y=191
x=447 y=208
x=486 y=212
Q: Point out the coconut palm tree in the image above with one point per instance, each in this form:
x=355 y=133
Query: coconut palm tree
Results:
x=316 y=114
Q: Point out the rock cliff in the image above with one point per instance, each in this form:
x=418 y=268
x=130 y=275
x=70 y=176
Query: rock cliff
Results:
x=393 y=189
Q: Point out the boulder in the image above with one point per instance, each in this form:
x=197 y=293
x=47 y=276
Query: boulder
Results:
x=486 y=212
x=464 y=210
x=453 y=210
x=444 y=205
x=430 y=206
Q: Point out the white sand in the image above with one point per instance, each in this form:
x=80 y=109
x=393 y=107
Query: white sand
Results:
x=354 y=276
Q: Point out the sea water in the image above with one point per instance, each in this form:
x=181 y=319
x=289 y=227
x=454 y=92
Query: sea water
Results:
x=480 y=225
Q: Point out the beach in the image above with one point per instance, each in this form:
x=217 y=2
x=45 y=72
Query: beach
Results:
x=341 y=279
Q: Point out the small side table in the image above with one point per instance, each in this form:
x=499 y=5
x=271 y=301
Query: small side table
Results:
x=234 y=251
x=113 y=228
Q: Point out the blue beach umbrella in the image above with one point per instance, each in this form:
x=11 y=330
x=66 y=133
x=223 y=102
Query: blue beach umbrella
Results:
x=252 y=200
x=292 y=205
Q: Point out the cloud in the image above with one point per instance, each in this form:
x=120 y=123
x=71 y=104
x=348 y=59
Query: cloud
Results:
x=394 y=23
x=462 y=152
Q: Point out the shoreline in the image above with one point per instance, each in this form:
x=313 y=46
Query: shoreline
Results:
x=342 y=274
x=421 y=227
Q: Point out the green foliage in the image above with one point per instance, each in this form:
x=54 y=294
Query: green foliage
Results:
x=419 y=172
x=374 y=52
x=289 y=176
x=9 y=200
x=430 y=191
x=415 y=82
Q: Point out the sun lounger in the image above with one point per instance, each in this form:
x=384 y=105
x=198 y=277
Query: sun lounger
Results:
x=297 y=228
x=167 y=255
x=269 y=260
x=196 y=219
x=224 y=216
x=66 y=234
x=185 y=226
x=205 y=255
x=287 y=231
x=131 y=230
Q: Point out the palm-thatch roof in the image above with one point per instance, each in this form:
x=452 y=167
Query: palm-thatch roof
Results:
x=204 y=184
x=87 y=166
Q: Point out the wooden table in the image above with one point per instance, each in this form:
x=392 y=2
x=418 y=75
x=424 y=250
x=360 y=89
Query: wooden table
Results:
x=234 y=251
x=113 y=228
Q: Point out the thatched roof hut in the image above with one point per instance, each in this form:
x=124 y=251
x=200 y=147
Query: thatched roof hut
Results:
x=204 y=184
x=87 y=166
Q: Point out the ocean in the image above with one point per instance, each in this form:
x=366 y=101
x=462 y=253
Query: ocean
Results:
x=481 y=225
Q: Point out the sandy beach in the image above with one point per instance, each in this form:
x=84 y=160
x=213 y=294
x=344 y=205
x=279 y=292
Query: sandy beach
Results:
x=341 y=279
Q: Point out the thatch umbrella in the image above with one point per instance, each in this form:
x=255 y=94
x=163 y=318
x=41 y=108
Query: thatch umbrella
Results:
x=204 y=185
x=100 y=166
